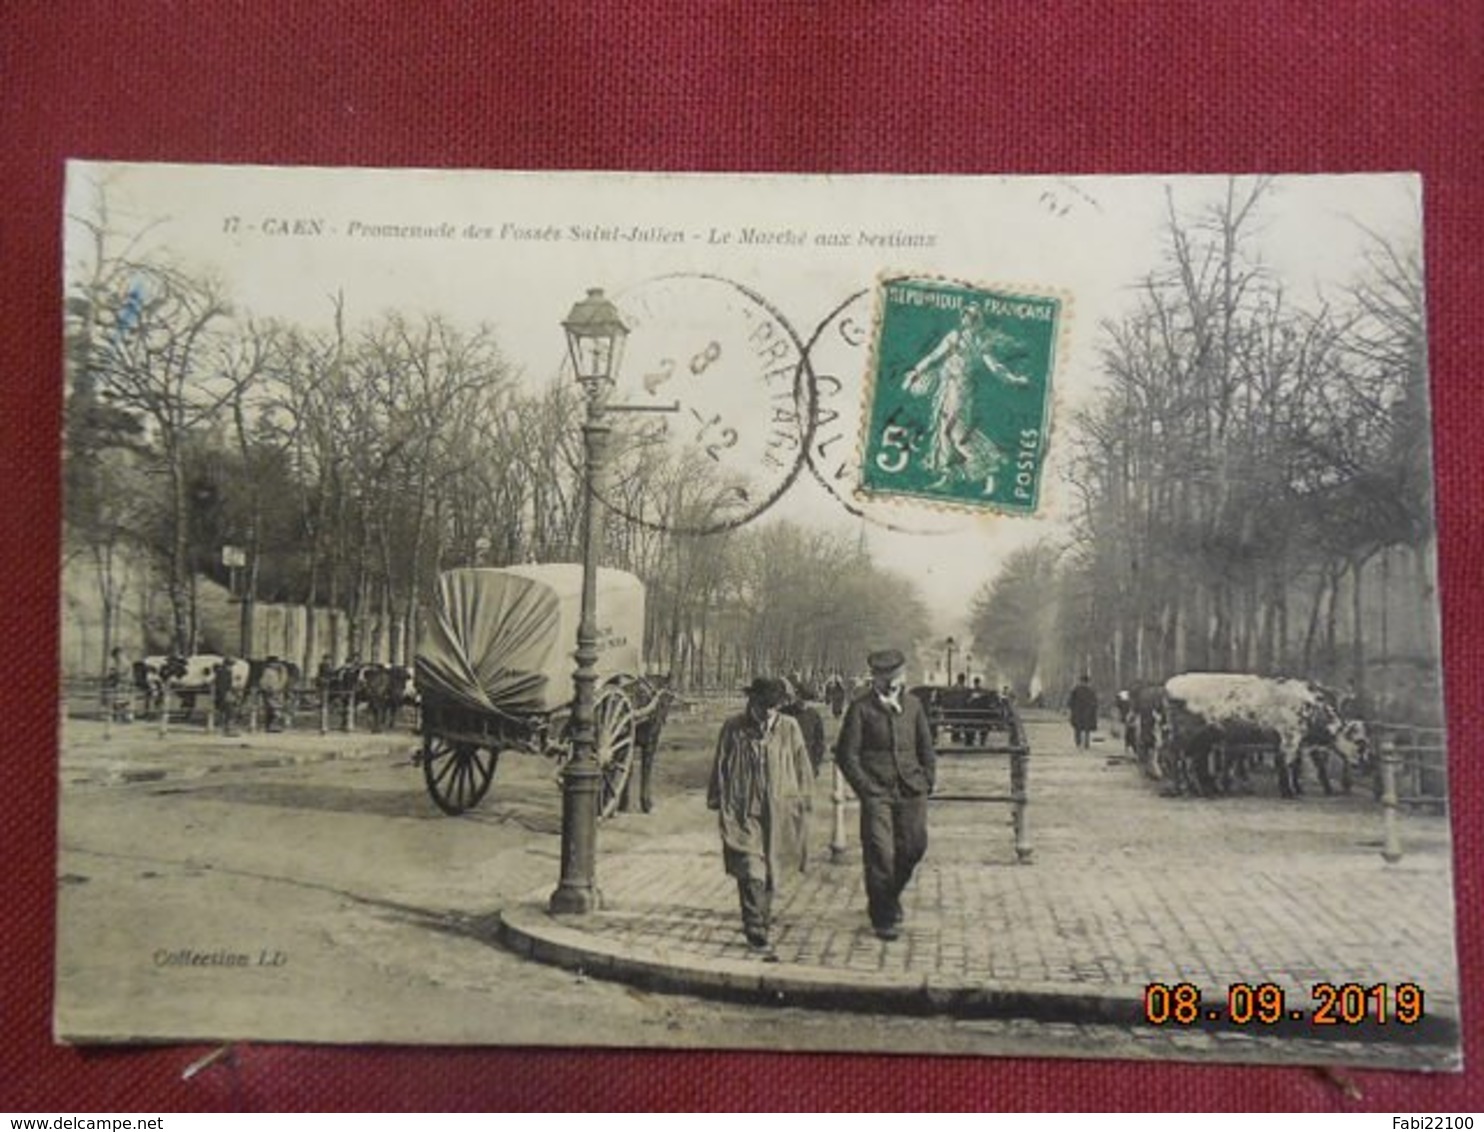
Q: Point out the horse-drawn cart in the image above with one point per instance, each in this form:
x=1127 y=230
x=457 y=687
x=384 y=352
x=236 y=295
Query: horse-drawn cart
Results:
x=494 y=673
x=975 y=722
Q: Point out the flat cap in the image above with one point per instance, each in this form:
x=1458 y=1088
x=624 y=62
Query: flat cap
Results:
x=886 y=660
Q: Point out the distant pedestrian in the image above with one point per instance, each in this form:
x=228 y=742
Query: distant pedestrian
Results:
x=811 y=724
x=1082 y=705
x=117 y=701
x=1353 y=704
x=835 y=695
x=981 y=704
x=957 y=702
x=224 y=695
x=761 y=787
x=885 y=752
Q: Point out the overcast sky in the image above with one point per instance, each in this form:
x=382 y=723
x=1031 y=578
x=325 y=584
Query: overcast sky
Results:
x=285 y=240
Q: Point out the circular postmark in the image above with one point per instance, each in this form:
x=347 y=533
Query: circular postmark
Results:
x=838 y=355
x=713 y=408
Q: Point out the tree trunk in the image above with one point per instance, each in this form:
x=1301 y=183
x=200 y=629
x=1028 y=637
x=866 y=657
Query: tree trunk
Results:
x=1331 y=622
x=109 y=599
x=1312 y=632
x=1280 y=599
x=1357 y=614
x=182 y=622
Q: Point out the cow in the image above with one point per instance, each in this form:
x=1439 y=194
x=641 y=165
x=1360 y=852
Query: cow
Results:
x=1142 y=711
x=149 y=680
x=188 y=677
x=343 y=688
x=275 y=683
x=1213 y=714
x=385 y=689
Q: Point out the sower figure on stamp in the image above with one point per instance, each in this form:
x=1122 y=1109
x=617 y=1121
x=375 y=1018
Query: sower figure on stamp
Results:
x=958 y=450
x=761 y=785
x=885 y=752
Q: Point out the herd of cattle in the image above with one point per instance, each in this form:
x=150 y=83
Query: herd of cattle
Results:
x=234 y=686
x=1204 y=732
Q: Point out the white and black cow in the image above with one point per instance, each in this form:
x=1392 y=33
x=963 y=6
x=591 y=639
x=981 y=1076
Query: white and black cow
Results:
x=1144 y=716
x=188 y=677
x=149 y=679
x=1215 y=715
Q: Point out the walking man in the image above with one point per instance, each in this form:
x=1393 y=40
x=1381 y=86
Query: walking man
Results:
x=1083 y=706
x=834 y=694
x=225 y=695
x=118 y=703
x=811 y=723
x=761 y=787
x=885 y=752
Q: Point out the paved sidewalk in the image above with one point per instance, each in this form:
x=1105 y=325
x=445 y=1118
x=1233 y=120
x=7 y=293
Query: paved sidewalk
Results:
x=1125 y=888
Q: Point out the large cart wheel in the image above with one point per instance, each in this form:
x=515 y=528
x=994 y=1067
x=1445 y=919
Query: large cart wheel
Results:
x=616 y=740
x=458 y=774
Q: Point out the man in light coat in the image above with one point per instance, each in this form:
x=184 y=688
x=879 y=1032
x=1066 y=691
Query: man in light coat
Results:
x=885 y=751
x=761 y=786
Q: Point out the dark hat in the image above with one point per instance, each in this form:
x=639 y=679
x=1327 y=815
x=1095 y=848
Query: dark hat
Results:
x=886 y=660
x=767 y=691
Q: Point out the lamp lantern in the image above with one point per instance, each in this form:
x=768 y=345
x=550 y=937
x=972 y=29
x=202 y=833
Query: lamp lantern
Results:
x=595 y=340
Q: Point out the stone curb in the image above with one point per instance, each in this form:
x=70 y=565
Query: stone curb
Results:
x=534 y=933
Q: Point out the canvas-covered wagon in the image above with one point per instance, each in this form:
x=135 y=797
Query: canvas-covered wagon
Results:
x=494 y=673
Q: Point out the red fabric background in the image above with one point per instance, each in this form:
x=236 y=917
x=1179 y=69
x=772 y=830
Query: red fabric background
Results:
x=1061 y=87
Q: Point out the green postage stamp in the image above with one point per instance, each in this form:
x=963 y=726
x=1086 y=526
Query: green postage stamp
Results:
x=959 y=395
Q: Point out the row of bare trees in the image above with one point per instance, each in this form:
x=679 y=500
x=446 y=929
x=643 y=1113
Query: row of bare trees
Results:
x=1251 y=454
x=353 y=461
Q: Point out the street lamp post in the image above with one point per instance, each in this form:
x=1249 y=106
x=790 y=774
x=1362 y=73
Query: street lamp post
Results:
x=595 y=338
x=950 y=646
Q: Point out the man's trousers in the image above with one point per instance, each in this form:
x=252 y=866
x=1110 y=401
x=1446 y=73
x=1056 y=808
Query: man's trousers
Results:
x=893 y=839
x=756 y=898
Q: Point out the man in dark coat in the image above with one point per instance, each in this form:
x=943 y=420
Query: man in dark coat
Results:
x=835 y=695
x=885 y=751
x=117 y=701
x=810 y=722
x=1083 y=707
x=225 y=695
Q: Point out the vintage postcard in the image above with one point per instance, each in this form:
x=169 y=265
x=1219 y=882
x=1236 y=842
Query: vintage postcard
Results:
x=969 y=615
